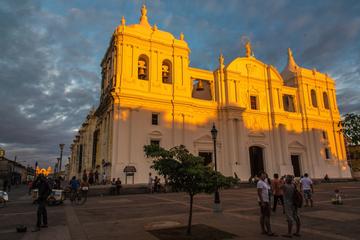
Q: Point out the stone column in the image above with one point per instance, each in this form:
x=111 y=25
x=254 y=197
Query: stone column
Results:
x=231 y=133
x=278 y=157
x=115 y=138
x=284 y=144
x=286 y=166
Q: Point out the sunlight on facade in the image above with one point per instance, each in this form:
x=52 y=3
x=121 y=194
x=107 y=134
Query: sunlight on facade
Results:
x=281 y=122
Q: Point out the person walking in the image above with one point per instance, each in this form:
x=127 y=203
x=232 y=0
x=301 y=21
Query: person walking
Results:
x=264 y=203
x=278 y=192
x=44 y=191
x=85 y=176
x=150 y=183
x=104 y=178
x=156 y=184
x=57 y=183
x=118 y=186
x=306 y=185
x=84 y=188
x=269 y=183
x=96 y=177
x=113 y=186
x=74 y=185
x=91 y=177
x=291 y=210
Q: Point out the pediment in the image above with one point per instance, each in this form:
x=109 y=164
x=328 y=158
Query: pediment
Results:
x=254 y=90
x=256 y=134
x=204 y=139
x=296 y=144
x=155 y=134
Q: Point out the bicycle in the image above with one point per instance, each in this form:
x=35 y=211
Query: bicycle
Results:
x=79 y=197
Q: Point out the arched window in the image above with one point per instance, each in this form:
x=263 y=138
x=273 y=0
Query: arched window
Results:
x=166 y=72
x=289 y=103
x=313 y=98
x=143 y=67
x=326 y=100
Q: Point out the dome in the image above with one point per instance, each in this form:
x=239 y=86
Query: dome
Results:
x=144 y=29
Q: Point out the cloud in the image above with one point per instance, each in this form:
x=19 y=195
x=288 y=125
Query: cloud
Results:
x=41 y=56
x=51 y=51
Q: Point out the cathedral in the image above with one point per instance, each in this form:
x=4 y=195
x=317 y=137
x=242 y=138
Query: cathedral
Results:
x=285 y=123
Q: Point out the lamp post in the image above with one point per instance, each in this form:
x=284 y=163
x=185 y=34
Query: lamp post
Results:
x=56 y=166
x=61 y=145
x=217 y=207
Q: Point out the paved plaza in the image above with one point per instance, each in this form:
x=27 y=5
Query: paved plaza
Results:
x=131 y=217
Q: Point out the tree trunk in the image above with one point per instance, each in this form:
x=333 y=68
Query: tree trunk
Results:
x=190 y=215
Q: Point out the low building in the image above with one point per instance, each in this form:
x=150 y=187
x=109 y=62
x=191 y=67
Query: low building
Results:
x=12 y=172
x=281 y=122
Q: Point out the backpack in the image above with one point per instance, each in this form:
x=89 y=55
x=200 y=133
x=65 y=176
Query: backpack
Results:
x=297 y=198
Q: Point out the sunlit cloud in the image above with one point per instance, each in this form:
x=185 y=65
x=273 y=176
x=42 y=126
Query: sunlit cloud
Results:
x=51 y=50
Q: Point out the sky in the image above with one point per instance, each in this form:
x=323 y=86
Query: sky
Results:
x=50 y=53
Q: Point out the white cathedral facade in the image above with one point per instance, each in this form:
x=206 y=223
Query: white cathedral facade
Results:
x=286 y=123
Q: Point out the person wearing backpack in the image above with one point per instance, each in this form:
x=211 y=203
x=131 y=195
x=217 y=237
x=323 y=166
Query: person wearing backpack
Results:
x=291 y=204
x=44 y=191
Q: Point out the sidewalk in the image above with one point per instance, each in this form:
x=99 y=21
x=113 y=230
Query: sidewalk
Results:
x=17 y=192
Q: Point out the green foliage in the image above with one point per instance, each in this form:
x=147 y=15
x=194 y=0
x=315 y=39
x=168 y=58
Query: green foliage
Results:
x=186 y=172
x=351 y=128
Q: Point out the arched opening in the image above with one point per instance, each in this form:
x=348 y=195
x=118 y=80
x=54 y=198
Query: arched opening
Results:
x=201 y=89
x=295 y=161
x=256 y=160
x=326 y=100
x=313 y=98
x=166 y=72
x=143 y=67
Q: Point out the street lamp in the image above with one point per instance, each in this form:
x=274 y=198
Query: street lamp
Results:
x=61 y=145
x=217 y=207
x=56 y=166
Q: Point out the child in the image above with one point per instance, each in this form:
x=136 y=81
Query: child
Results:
x=337 y=200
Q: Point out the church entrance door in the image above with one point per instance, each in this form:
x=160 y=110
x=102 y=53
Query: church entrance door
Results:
x=295 y=161
x=207 y=157
x=256 y=160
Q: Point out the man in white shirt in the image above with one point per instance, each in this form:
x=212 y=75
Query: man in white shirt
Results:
x=263 y=197
x=306 y=186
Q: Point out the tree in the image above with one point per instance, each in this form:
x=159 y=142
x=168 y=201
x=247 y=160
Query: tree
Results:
x=351 y=128
x=186 y=172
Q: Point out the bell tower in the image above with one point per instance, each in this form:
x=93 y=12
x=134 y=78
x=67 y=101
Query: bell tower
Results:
x=147 y=61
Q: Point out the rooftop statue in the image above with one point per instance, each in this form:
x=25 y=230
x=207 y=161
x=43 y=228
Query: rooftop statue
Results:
x=143 y=18
x=248 y=49
x=221 y=59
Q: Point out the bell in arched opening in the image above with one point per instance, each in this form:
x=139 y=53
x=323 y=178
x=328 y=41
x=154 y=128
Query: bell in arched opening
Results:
x=200 y=85
x=142 y=69
x=165 y=73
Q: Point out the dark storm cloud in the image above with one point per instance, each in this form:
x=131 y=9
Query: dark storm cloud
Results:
x=51 y=50
x=48 y=81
